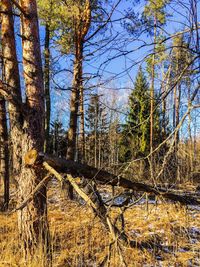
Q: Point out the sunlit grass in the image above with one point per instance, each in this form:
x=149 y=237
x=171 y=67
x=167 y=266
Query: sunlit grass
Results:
x=79 y=239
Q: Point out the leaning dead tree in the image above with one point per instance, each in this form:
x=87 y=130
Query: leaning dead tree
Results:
x=88 y=192
x=101 y=177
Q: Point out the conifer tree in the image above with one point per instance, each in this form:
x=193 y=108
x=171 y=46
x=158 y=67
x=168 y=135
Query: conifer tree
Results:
x=136 y=133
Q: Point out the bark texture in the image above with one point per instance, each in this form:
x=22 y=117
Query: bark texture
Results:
x=74 y=106
x=82 y=123
x=11 y=82
x=47 y=87
x=32 y=219
x=4 y=153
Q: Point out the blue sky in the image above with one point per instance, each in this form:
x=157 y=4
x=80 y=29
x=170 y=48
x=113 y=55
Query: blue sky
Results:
x=115 y=74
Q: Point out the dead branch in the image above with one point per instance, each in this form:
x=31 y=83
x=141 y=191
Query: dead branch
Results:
x=103 y=177
x=94 y=201
x=101 y=213
x=97 y=205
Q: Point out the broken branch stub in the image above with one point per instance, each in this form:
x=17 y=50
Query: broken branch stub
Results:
x=33 y=158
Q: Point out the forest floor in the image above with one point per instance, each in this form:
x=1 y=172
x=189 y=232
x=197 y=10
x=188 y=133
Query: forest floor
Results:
x=80 y=240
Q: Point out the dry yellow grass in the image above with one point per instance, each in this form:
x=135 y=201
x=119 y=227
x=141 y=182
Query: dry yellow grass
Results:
x=79 y=239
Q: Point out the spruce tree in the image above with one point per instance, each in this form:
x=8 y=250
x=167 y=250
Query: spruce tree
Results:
x=136 y=132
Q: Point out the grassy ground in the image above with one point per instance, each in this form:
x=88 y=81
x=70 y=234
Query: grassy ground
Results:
x=79 y=239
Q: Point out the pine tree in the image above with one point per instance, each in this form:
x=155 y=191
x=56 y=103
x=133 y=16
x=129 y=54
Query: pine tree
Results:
x=155 y=12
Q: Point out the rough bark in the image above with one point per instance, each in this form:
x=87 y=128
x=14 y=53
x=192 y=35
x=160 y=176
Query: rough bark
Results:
x=47 y=87
x=12 y=83
x=4 y=153
x=82 y=125
x=32 y=219
x=74 y=105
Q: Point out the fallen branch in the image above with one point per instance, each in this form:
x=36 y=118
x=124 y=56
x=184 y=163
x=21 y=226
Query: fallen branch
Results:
x=101 y=213
x=99 y=209
x=103 y=177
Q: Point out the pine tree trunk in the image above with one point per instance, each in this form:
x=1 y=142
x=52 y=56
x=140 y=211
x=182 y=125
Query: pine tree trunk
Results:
x=81 y=27
x=191 y=158
x=195 y=140
x=4 y=152
x=74 y=104
x=95 y=138
x=32 y=219
x=82 y=125
x=11 y=83
x=74 y=107
x=47 y=87
x=152 y=102
x=164 y=104
x=177 y=110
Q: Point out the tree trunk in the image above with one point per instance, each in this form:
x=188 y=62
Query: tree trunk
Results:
x=152 y=102
x=81 y=28
x=74 y=107
x=177 y=108
x=4 y=152
x=82 y=124
x=95 y=137
x=176 y=111
x=32 y=219
x=165 y=80
x=12 y=83
x=47 y=87
x=190 y=143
